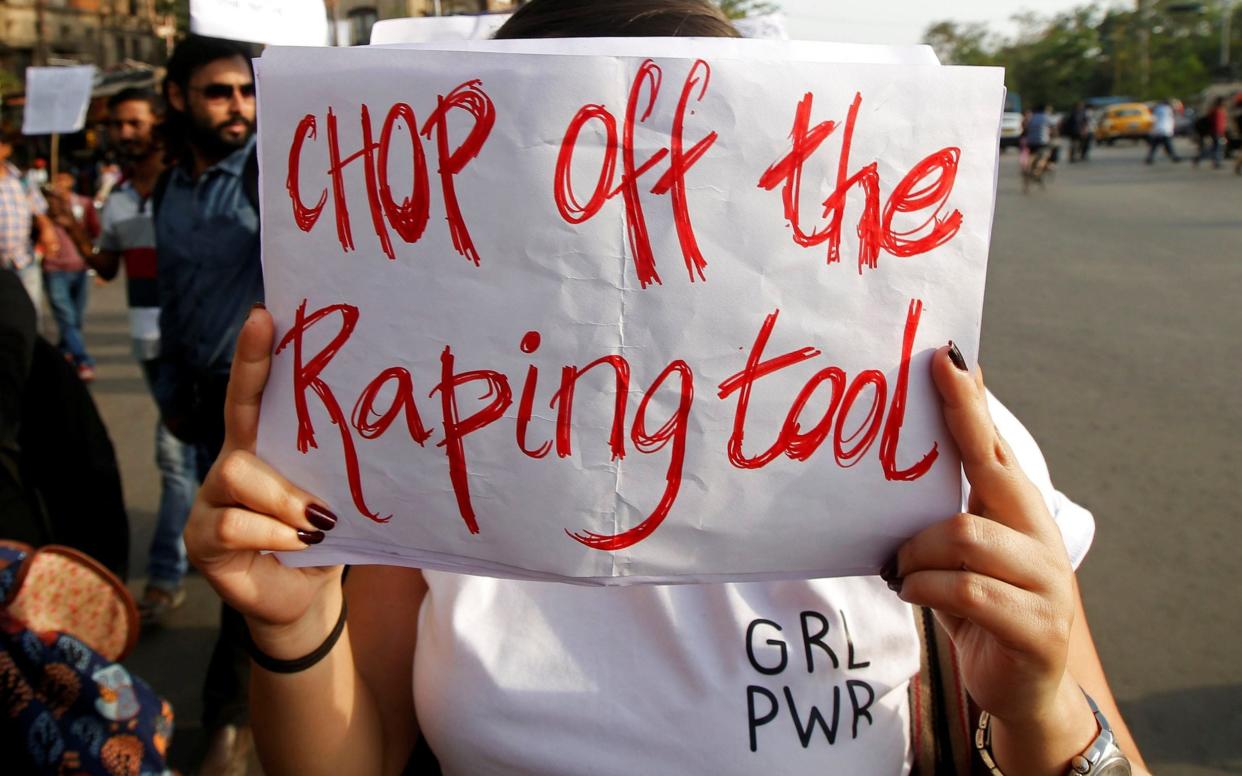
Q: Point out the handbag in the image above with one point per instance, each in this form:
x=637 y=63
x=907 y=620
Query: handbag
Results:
x=66 y=703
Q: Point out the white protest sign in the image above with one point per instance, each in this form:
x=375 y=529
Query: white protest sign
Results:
x=612 y=320
x=804 y=51
x=768 y=25
x=429 y=29
x=276 y=22
x=57 y=99
x=438 y=29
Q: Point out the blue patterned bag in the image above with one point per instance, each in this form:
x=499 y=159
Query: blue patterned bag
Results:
x=64 y=707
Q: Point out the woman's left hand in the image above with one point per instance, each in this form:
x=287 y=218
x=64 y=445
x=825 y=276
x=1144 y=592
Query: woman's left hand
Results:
x=998 y=576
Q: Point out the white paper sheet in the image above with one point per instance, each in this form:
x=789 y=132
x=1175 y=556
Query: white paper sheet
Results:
x=804 y=51
x=429 y=29
x=436 y=314
x=57 y=99
x=770 y=26
x=276 y=22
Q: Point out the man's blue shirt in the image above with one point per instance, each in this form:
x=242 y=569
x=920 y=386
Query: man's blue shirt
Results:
x=209 y=271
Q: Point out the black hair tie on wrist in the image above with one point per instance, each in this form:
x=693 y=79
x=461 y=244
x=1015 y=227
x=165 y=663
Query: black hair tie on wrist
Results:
x=278 y=666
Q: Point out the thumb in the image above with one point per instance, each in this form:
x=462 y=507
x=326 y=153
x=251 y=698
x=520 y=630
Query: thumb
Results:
x=251 y=364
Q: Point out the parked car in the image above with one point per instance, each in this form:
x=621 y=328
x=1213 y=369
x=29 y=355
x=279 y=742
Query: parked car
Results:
x=1130 y=120
x=1011 y=121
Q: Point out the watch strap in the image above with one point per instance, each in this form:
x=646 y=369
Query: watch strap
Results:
x=1103 y=745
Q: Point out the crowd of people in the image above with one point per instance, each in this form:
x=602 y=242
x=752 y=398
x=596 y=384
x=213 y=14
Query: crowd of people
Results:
x=331 y=692
x=1078 y=127
x=185 y=203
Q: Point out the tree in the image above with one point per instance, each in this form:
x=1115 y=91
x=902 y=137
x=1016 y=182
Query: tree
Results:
x=961 y=44
x=1163 y=48
x=740 y=9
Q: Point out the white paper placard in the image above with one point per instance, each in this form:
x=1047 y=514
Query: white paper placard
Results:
x=57 y=99
x=396 y=33
x=275 y=22
x=804 y=51
x=515 y=347
x=432 y=29
x=769 y=25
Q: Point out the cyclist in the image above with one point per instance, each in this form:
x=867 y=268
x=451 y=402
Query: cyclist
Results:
x=1039 y=131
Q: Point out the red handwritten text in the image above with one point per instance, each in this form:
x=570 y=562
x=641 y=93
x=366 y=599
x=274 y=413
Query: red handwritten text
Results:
x=373 y=417
x=672 y=182
x=408 y=218
x=926 y=187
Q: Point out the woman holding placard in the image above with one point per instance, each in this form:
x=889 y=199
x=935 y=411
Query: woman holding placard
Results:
x=533 y=677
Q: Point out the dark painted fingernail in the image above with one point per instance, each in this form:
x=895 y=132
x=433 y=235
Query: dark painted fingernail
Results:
x=955 y=356
x=257 y=306
x=889 y=569
x=320 y=517
x=888 y=573
x=310 y=537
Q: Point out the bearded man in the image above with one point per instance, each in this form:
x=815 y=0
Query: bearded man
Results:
x=209 y=276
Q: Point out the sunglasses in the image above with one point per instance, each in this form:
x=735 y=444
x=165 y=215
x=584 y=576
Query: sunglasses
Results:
x=221 y=92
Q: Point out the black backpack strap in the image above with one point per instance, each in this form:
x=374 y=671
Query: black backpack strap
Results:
x=250 y=177
x=939 y=707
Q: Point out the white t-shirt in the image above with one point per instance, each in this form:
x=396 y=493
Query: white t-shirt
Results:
x=755 y=678
x=1163 y=124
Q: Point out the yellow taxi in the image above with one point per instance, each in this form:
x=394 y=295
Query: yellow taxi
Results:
x=1131 y=120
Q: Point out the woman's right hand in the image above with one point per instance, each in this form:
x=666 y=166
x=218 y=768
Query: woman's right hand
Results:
x=245 y=507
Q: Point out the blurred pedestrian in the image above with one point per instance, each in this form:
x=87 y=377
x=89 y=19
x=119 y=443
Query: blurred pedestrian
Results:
x=21 y=209
x=110 y=173
x=37 y=176
x=1212 y=135
x=65 y=278
x=1039 y=150
x=59 y=482
x=1040 y=130
x=1078 y=130
x=207 y=240
x=1164 y=124
x=128 y=238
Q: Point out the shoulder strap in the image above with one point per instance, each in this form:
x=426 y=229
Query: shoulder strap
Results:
x=250 y=177
x=939 y=707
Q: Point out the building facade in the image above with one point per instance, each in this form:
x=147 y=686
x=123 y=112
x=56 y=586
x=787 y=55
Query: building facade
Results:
x=360 y=15
x=104 y=33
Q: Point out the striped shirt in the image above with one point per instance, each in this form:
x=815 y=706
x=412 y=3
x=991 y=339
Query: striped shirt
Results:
x=18 y=207
x=128 y=229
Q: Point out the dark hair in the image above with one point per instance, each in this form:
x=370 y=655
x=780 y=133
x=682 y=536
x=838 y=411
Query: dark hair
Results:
x=190 y=56
x=617 y=18
x=195 y=52
x=136 y=94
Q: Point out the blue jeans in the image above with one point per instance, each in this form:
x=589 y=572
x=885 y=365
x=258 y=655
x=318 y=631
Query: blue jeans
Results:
x=67 y=292
x=167 y=564
x=1211 y=147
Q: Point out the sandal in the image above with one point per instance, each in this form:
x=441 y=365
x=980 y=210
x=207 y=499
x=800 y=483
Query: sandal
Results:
x=157 y=602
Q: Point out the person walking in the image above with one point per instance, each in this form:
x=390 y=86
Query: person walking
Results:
x=65 y=278
x=1078 y=130
x=207 y=243
x=1212 y=142
x=22 y=206
x=1162 y=129
x=128 y=238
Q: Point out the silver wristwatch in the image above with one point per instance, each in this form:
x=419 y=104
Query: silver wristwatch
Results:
x=1101 y=758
